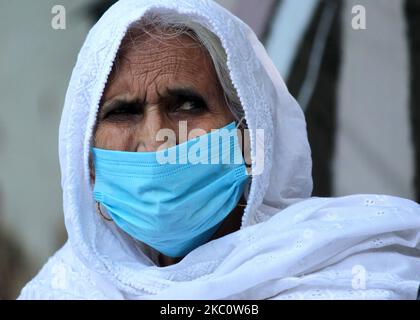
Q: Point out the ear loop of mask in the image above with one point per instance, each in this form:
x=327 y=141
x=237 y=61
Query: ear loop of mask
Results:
x=238 y=125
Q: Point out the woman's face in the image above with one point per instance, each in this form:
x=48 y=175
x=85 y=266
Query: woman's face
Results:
x=154 y=86
x=158 y=85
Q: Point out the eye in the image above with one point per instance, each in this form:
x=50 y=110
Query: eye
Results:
x=191 y=105
x=122 y=111
x=187 y=106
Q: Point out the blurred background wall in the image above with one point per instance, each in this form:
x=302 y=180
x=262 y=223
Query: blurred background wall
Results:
x=359 y=90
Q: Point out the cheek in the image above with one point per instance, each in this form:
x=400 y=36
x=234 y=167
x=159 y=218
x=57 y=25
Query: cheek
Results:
x=114 y=137
x=197 y=126
x=215 y=120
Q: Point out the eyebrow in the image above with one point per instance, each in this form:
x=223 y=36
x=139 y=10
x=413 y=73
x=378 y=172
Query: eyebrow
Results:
x=184 y=93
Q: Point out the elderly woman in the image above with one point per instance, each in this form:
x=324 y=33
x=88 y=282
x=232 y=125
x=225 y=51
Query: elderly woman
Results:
x=186 y=174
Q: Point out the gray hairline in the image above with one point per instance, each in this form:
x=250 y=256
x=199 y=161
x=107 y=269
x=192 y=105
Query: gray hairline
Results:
x=172 y=25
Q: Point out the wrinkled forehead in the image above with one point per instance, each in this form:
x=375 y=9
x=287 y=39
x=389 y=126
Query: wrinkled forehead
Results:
x=142 y=40
x=149 y=53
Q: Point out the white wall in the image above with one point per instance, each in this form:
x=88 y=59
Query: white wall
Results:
x=35 y=66
x=374 y=150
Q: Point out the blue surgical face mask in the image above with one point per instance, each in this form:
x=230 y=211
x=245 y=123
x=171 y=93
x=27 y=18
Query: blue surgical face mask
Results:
x=176 y=206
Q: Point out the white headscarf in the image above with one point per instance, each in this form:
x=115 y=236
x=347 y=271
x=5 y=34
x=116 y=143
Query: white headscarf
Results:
x=351 y=247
